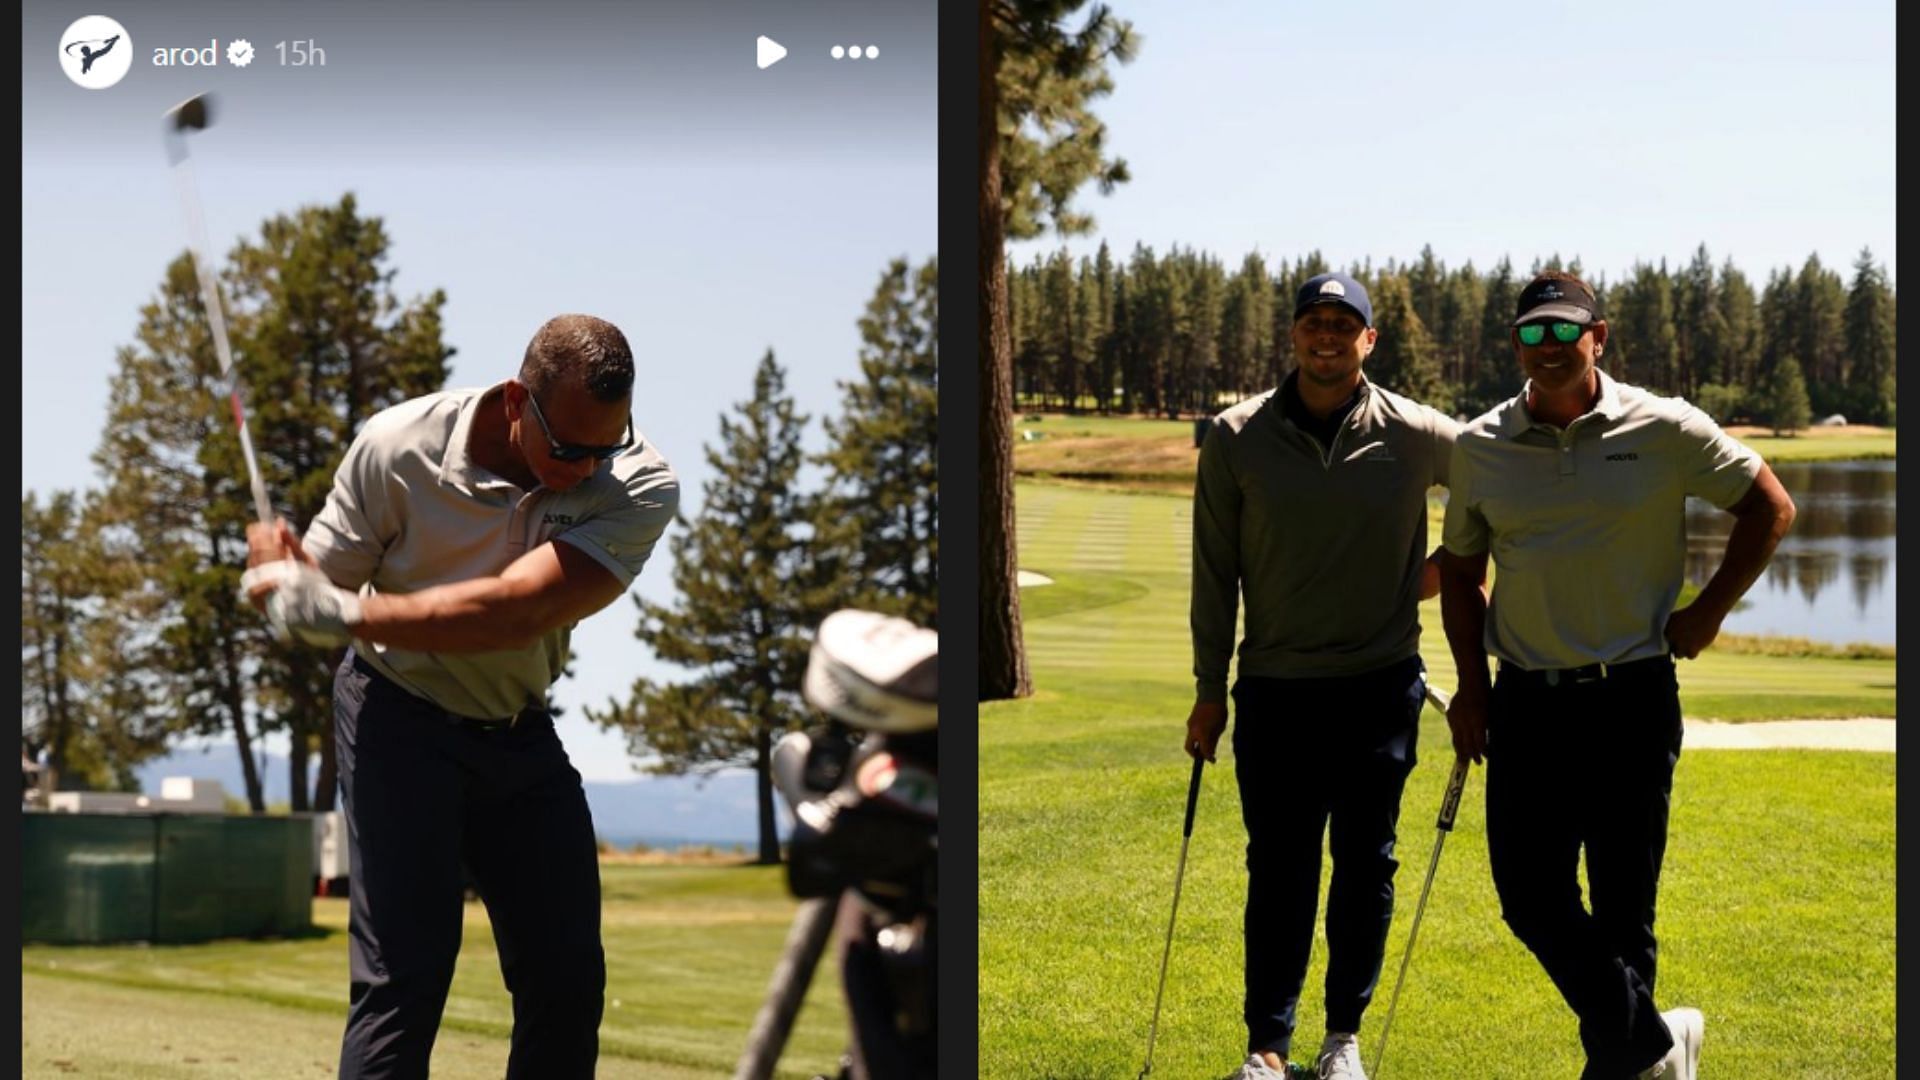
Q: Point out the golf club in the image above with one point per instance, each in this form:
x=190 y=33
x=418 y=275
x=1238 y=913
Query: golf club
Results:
x=1449 y=806
x=1186 y=835
x=196 y=114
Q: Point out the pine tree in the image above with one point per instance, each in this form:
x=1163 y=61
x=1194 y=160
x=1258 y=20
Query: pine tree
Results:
x=1787 y=396
x=1039 y=143
x=82 y=703
x=880 y=517
x=1404 y=359
x=1820 y=337
x=744 y=615
x=321 y=343
x=1740 y=355
x=1870 y=353
x=1106 y=319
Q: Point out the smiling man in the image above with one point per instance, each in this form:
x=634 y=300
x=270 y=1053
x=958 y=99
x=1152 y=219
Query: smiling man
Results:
x=466 y=533
x=1311 y=503
x=1577 y=489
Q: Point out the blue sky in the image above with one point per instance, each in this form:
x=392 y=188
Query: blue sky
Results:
x=1616 y=132
x=710 y=209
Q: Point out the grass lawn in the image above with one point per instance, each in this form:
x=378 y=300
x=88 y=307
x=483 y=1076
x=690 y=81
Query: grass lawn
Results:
x=1820 y=444
x=1777 y=913
x=689 y=952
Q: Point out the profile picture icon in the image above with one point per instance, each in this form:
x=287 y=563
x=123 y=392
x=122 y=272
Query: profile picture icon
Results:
x=96 y=52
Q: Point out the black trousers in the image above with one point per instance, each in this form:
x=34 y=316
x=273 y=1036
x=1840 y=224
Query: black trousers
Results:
x=1587 y=767
x=1309 y=752
x=424 y=792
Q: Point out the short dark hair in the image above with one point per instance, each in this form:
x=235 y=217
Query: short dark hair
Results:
x=583 y=349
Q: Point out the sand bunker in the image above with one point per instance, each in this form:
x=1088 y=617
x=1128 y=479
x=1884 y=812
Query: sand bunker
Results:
x=1865 y=733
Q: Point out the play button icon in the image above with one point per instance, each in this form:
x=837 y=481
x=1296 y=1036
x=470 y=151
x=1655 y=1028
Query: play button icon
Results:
x=768 y=52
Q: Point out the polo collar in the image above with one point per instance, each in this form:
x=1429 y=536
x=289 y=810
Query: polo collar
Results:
x=457 y=467
x=1608 y=407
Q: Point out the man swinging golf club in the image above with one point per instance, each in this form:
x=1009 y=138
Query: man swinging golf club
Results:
x=466 y=533
x=1311 y=502
x=1576 y=488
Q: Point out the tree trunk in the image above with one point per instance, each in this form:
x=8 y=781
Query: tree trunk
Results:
x=763 y=789
x=237 y=718
x=1003 y=659
x=297 y=754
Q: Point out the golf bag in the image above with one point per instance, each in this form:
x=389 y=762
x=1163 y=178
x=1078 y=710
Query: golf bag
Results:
x=863 y=849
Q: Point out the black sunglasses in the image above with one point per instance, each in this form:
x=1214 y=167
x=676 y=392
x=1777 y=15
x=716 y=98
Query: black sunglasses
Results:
x=1564 y=332
x=560 y=451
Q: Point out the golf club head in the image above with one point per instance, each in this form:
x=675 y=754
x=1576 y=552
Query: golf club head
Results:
x=194 y=114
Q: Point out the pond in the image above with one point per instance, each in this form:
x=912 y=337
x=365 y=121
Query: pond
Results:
x=1832 y=578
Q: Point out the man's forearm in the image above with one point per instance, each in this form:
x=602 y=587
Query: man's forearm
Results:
x=1463 y=612
x=1755 y=535
x=483 y=615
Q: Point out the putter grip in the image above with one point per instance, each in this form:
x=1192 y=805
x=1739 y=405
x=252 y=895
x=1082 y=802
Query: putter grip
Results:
x=1193 y=795
x=1456 y=784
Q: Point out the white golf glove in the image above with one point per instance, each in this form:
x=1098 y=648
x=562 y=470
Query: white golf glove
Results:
x=304 y=605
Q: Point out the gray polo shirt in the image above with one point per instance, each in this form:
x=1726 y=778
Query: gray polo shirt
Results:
x=409 y=510
x=1325 y=543
x=1587 y=526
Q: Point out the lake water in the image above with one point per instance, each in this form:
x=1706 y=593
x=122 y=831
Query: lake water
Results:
x=1832 y=578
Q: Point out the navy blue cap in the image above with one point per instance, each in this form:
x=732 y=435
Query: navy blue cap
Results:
x=1334 y=288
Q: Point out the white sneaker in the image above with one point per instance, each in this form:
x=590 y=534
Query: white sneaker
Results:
x=1340 y=1059
x=1256 y=1068
x=1683 y=1061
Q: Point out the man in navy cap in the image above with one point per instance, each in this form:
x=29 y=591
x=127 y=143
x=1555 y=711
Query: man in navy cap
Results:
x=1311 y=504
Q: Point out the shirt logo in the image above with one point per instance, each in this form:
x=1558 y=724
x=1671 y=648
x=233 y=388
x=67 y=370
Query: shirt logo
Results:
x=556 y=519
x=1333 y=288
x=1376 y=452
x=1623 y=457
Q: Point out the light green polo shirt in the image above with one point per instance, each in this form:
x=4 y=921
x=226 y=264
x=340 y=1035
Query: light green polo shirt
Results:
x=1325 y=543
x=409 y=510
x=1587 y=527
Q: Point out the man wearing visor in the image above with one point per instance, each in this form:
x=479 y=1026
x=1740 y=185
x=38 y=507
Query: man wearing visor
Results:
x=1576 y=488
x=1311 y=504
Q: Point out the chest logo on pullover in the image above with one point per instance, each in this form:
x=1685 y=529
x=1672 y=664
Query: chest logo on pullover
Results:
x=1623 y=457
x=1374 y=452
x=556 y=519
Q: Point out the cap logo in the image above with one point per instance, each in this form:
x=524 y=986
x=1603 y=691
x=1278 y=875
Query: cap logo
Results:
x=1333 y=288
x=1550 y=291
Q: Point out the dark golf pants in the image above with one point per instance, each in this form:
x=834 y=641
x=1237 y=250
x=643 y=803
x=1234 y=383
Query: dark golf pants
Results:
x=1308 y=752
x=1587 y=765
x=425 y=792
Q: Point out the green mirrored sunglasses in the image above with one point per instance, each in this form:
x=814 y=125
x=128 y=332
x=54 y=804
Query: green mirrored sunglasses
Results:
x=1564 y=332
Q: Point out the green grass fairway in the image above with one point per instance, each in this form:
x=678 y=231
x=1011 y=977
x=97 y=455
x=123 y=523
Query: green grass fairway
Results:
x=1821 y=444
x=689 y=952
x=1777 y=911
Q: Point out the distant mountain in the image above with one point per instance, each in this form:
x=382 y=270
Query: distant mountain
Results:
x=659 y=810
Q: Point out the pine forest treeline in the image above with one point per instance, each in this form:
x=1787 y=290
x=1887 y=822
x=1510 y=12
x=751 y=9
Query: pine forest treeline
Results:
x=1184 y=333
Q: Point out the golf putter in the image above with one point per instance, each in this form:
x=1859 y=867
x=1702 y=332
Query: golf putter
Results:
x=1186 y=835
x=1449 y=806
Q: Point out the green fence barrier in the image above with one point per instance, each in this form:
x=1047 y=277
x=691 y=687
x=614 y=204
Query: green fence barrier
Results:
x=91 y=878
